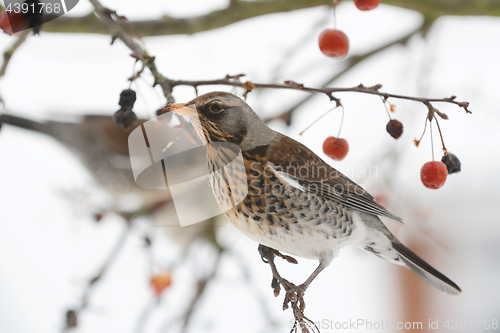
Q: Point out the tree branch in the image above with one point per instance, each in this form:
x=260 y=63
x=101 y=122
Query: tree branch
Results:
x=235 y=12
x=291 y=85
x=241 y=10
x=352 y=61
x=110 y=19
x=202 y=284
x=7 y=55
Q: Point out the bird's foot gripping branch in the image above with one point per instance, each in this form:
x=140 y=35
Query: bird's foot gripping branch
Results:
x=294 y=295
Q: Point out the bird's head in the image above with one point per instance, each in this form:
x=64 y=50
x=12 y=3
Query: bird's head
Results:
x=224 y=117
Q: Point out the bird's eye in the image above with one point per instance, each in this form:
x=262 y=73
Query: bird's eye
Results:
x=215 y=108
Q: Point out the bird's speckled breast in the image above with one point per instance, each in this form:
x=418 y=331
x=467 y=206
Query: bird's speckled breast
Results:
x=280 y=216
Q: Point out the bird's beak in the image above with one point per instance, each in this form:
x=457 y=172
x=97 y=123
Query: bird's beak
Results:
x=182 y=109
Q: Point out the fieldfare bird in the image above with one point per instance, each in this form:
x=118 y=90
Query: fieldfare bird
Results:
x=295 y=202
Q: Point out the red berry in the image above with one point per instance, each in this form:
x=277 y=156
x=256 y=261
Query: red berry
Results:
x=335 y=148
x=433 y=174
x=14 y=21
x=160 y=282
x=333 y=43
x=366 y=4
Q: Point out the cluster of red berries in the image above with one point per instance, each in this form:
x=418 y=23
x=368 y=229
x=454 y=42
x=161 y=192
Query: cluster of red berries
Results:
x=334 y=43
x=432 y=174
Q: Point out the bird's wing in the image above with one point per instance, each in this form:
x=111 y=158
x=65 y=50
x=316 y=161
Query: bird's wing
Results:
x=292 y=159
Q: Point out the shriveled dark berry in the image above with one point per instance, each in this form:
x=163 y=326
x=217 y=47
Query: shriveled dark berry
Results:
x=452 y=163
x=394 y=128
x=127 y=99
x=124 y=119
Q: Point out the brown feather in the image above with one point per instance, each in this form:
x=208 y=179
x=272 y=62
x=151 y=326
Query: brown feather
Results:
x=303 y=165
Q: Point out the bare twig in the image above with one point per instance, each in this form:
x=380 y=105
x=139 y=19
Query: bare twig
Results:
x=120 y=243
x=167 y=85
x=235 y=12
x=200 y=289
x=265 y=311
x=248 y=9
x=109 y=18
x=146 y=315
x=351 y=62
x=129 y=218
x=72 y=314
x=374 y=90
x=8 y=53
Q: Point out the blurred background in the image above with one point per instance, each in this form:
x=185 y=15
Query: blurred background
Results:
x=82 y=249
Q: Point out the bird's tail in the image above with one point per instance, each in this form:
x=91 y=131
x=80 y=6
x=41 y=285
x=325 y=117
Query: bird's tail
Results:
x=32 y=125
x=425 y=271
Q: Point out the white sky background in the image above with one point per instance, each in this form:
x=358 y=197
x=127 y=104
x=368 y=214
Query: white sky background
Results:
x=49 y=249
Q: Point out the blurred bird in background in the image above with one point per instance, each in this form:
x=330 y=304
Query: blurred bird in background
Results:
x=102 y=147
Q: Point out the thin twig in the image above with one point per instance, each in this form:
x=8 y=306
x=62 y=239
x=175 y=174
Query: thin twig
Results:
x=167 y=85
x=7 y=55
x=73 y=314
x=263 y=304
x=350 y=63
x=202 y=285
x=117 y=31
x=374 y=90
x=120 y=243
x=146 y=315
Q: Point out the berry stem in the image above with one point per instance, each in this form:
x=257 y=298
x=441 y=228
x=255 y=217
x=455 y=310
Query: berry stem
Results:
x=385 y=105
x=314 y=122
x=432 y=142
x=417 y=142
x=440 y=135
x=133 y=75
x=341 y=121
x=335 y=14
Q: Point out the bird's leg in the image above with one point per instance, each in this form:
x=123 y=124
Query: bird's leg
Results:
x=267 y=255
x=298 y=305
x=296 y=293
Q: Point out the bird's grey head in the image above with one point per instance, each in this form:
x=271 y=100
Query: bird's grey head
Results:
x=224 y=117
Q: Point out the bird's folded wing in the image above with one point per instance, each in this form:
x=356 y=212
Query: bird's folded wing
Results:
x=291 y=159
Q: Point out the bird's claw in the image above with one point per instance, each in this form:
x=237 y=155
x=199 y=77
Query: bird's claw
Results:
x=266 y=252
x=288 y=258
x=276 y=287
x=294 y=295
